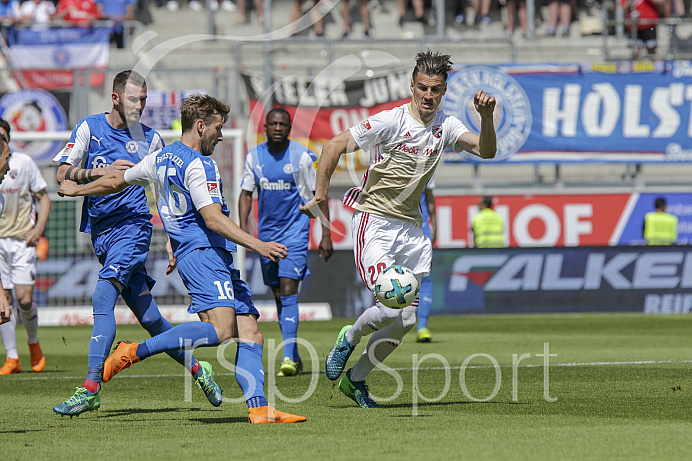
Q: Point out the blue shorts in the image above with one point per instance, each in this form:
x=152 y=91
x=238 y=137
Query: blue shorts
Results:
x=293 y=267
x=211 y=281
x=123 y=250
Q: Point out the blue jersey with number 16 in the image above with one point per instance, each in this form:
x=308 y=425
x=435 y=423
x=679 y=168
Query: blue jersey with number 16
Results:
x=186 y=181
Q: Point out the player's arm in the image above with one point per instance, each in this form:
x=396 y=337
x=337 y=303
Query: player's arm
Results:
x=105 y=185
x=326 y=248
x=218 y=222
x=44 y=206
x=172 y=260
x=430 y=203
x=484 y=145
x=331 y=153
x=244 y=208
x=5 y=310
x=85 y=175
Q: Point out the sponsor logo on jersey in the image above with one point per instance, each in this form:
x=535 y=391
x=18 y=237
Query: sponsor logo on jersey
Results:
x=98 y=140
x=68 y=149
x=99 y=162
x=314 y=164
x=131 y=147
x=288 y=168
x=428 y=152
x=266 y=184
x=512 y=115
x=407 y=135
x=366 y=125
x=437 y=131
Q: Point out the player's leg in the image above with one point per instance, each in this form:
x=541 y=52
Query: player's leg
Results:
x=248 y=362
x=28 y=315
x=291 y=271
x=8 y=330
x=424 y=301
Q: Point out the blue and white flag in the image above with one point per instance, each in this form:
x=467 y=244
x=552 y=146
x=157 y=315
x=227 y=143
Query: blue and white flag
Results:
x=60 y=48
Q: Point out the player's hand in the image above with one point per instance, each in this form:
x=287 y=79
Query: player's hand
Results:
x=117 y=166
x=310 y=209
x=326 y=249
x=5 y=310
x=32 y=237
x=172 y=260
x=272 y=250
x=68 y=188
x=484 y=103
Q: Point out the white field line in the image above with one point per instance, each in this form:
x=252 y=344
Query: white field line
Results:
x=38 y=376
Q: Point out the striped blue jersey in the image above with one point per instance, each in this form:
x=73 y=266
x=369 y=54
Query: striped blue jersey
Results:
x=283 y=181
x=96 y=144
x=185 y=182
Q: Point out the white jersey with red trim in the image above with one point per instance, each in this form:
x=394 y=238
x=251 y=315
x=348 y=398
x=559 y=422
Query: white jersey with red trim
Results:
x=404 y=153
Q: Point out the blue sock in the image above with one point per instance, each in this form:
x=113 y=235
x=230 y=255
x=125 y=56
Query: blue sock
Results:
x=147 y=312
x=250 y=374
x=424 y=302
x=103 y=333
x=185 y=335
x=289 y=319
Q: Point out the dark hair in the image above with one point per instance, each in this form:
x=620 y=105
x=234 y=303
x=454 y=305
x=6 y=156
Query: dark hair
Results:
x=487 y=201
x=660 y=203
x=6 y=126
x=201 y=107
x=125 y=77
x=432 y=64
x=279 y=110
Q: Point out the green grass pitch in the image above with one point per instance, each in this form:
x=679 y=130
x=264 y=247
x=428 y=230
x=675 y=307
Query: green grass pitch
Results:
x=618 y=386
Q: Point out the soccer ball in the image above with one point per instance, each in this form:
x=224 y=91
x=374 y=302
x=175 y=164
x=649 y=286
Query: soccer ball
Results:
x=396 y=287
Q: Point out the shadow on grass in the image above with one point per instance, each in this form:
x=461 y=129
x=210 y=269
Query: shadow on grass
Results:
x=22 y=431
x=225 y=420
x=132 y=411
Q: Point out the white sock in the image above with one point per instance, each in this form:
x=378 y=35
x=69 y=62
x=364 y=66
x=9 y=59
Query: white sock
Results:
x=384 y=342
x=9 y=337
x=373 y=319
x=30 y=320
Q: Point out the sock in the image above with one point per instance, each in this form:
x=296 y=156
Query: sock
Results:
x=147 y=312
x=184 y=336
x=91 y=385
x=8 y=331
x=384 y=342
x=249 y=373
x=289 y=319
x=29 y=318
x=373 y=319
x=425 y=300
x=103 y=332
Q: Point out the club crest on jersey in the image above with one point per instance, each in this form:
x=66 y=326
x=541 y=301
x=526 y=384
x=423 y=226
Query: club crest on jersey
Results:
x=13 y=173
x=437 y=131
x=131 y=147
x=288 y=168
x=213 y=189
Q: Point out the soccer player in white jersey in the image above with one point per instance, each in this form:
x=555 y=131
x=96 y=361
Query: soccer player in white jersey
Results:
x=203 y=237
x=405 y=144
x=283 y=172
x=5 y=309
x=21 y=227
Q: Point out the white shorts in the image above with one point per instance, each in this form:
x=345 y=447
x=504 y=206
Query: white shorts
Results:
x=380 y=242
x=17 y=263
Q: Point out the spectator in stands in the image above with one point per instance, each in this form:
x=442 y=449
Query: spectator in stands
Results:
x=117 y=11
x=515 y=8
x=459 y=12
x=242 y=11
x=481 y=11
x=315 y=17
x=562 y=10
x=38 y=13
x=418 y=10
x=77 y=12
x=196 y=5
x=488 y=226
x=364 y=16
x=660 y=228
x=9 y=12
x=647 y=10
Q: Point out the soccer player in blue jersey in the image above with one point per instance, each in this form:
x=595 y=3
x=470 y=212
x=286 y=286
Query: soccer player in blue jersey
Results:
x=427 y=206
x=283 y=172
x=120 y=230
x=194 y=213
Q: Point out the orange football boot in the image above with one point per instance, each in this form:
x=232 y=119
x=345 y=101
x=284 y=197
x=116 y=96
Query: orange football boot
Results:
x=266 y=415
x=125 y=355
x=11 y=366
x=38 y=360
